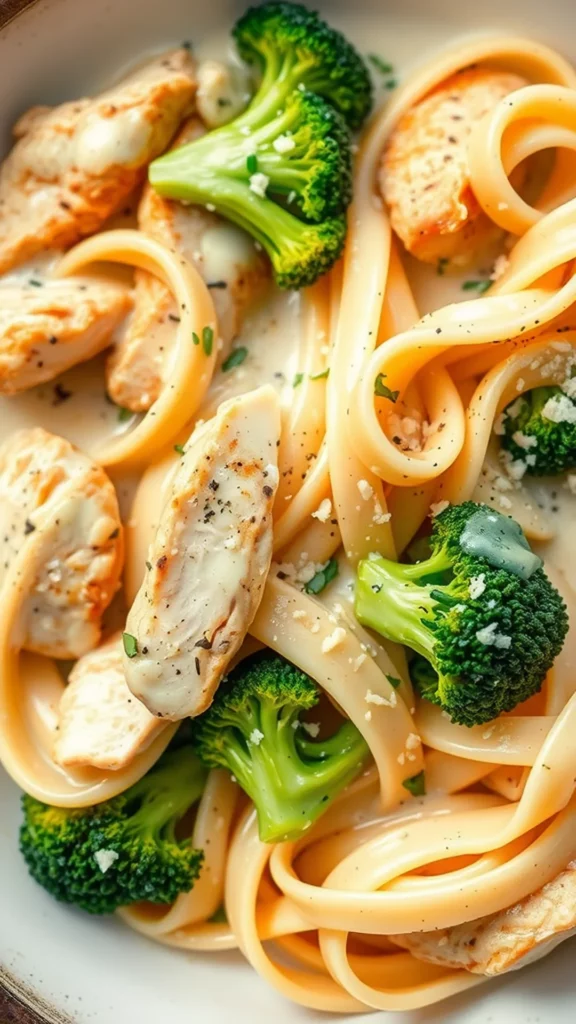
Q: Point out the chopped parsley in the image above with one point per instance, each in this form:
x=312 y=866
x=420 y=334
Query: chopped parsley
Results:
x=477 y=286
x=124 y=414
x=416 y=785
x=382 y=390
x=394 y=681
x=195 y=338
x=319 y=376
x=130 y=644
x=179 y=448
x=298 y=378
x=381 y=65
x=323 y=577
x=252 y=163
x=236 y=357
x=207 y=340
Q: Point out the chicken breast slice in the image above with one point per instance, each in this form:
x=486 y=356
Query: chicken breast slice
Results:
x=74 y=165
x=46 y=328
x=424 y=174
x=101 y=724
x=209 y=560
x=226 y=258
x=46 y=484
x=505 y=941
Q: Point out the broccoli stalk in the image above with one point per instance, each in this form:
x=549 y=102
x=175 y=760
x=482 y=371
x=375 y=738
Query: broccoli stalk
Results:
x=282 y=169
x=489 y=632
x=540 y=431
x=123 y=850
x=253 y=730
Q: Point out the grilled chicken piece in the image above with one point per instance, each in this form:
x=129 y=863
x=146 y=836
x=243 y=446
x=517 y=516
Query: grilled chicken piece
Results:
x=100 y=723
x=61 y=507
x=507 y=940
x=208 y=562
x=227 y=260
x=74 y=165
x=424 y=175
x=222 y=93
x=46 y=330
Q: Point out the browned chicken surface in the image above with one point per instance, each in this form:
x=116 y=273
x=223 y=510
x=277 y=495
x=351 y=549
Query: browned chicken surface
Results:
x=424 y=175
x=47 y=326
x=74 y=165
x=227 y=260
x=59 y=508
x=101 y=724
x=512 y=938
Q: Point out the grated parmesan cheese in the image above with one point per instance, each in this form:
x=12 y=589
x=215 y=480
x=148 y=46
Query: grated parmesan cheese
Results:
x=256 y=737
x=477 y=585
x=312 y=728
x=105 y=859
x=524 y=440
x=559 y=409
x=366 y=490
x=324 y=511
x=259 y=183
x=283 y=144
x=334 y=640
x=491 y=638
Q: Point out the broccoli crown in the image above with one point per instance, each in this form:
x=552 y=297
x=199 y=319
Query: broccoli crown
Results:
x=123 y=850
x=545 y=446
x=292 y=46
x=284 y=176
x=253 y=730
x=282 y=170
x=490 y=631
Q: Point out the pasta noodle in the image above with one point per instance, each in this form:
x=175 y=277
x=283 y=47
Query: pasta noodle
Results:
x=317 y=917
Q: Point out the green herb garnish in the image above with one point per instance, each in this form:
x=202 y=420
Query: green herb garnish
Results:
x=179 y=448
x=298 y=378
x=476 y=286
x=237 y=356
x=319 y=376
x=207 y=340
x=124 y=414
x=130 y=644
x=381 y=65
x=382 y=390
x=195 y=338
x=323 y=577
x=252 y=163
x=416 y=785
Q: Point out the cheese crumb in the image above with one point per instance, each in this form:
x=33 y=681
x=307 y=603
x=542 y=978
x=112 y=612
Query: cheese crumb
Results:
x=569 y=387
x=437 y=507
x=358 y=662
x=401 y=758
x=504 y=502
x=368 y=716
x=312 y=728
x=324 y=511
x=477 y=585
x=412 y=741
x=524 y=440
x=283 y=144
x=559 y=409
x=520 y=384
x=366 y=490
x=105 y=859
x=334 y=640
x=380 y=516
x=491 y=638
x=259 y=183
x=256 y=737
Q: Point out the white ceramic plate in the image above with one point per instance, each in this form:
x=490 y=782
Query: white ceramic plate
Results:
x=95 y=971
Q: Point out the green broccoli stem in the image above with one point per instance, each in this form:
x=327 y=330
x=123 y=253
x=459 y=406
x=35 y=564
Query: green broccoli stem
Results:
x=391 y=599
x=166 y=794
x=289 y=792
x=175 y=178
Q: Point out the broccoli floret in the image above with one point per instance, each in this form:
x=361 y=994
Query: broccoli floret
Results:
x=253 y=730
x=547 y=447
x=282 y=170
x=490 y=631
x=292 y=47
x=123 y=850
